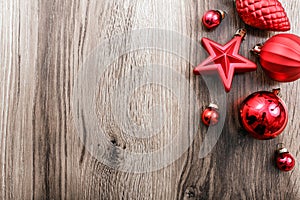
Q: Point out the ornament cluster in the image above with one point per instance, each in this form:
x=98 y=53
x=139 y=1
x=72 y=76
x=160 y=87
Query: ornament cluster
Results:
x=262 y=114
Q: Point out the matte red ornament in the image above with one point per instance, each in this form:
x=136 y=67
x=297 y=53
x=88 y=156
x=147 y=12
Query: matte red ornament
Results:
x=210 y=116
x=263 y=115
x=280 y=57
x=284 y=160
x=225 y=59
x=263 y=14
x=213 y=18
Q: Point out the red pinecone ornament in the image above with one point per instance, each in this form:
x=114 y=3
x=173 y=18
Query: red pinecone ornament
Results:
x=263 y=14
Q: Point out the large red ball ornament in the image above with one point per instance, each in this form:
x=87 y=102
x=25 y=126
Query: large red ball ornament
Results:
x=264 y=115
x=263 y=14
x=284 y=160
x=280 y=57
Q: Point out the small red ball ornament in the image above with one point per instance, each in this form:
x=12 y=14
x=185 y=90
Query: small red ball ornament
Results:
x=210 y=115
x=280 y=57
x=263 y=14
x=213 y=18
x=264 y=115
x=284 y=160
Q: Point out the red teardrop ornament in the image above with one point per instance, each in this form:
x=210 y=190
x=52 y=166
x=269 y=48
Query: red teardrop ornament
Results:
x=263 y=14
x=284 y=160
x=280 y=57
x=263 y=115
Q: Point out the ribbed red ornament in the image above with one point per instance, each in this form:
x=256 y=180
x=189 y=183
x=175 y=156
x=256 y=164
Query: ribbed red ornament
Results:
x=263 y=14
x=280 y=57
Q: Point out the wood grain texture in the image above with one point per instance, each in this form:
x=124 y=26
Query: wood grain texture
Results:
x=43 y=45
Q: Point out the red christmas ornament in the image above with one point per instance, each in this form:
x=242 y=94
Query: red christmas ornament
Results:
x=210 y=115
x=264 y=115
x=213 y=18
x=280 y=57
x=284 y=160
x=225 y=59
x=263 y=14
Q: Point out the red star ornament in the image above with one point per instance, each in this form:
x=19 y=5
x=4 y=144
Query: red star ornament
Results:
x=225 y=59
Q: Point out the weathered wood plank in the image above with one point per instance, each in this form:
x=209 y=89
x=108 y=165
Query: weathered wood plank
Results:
x=44 y=46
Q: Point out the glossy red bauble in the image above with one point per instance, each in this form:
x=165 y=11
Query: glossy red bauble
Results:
x=264 y=115
x=263 y=14
x=284 y=160
x=210 y=116
x=213 y=18
x=280 y=57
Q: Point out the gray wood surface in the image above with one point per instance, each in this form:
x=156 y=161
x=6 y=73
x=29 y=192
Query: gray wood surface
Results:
x=43 y=46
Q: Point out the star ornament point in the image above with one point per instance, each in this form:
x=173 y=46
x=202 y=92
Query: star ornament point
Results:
x=225 y=60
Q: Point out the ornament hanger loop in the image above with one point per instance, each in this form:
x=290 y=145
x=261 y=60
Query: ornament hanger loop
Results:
x=222 y=13
x=276 y=91
x=257 y=49
x=241 y=32
x=280 y=145
x=213 y=105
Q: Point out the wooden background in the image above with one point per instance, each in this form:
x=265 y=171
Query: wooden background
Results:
x=43 y=45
